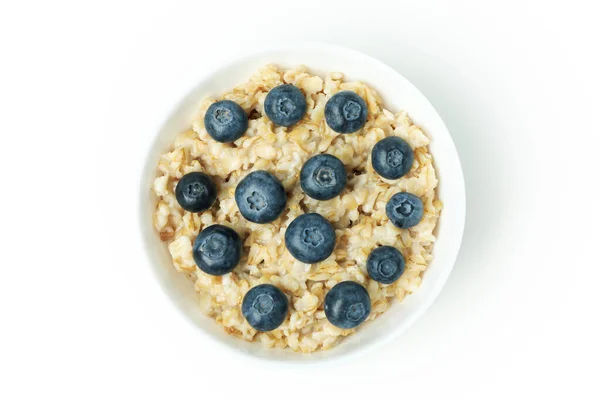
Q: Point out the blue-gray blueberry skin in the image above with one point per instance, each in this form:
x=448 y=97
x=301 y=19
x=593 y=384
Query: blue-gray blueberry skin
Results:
x=265 y=307
x=392 y=157
x=217 y=250
x=385 y=264
x=323 y=177
x=405 y=210
x=195 y=192
x=285 y=105
x=225 y=121
x=347 y=305
x=310 y=238
x=260 y=197
x=346 y=112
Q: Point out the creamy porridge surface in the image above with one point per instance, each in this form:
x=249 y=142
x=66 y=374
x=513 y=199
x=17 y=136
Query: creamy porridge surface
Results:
x=357 y=214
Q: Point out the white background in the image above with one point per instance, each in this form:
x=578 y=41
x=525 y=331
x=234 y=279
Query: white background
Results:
x=517 y=85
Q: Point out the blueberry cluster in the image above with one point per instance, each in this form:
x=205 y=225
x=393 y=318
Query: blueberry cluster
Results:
x=309 y=238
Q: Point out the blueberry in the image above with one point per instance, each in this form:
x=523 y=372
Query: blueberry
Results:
x=225 y=121
x=285 y=105
x=323 y=177
x=265 y=307
x=310 y=238
x=217 y=250
x=347 y=305
x=392 y=157
x=405 y=210
x=346 y=112
x=195 y=192
x=385 y=264
x=260 y=197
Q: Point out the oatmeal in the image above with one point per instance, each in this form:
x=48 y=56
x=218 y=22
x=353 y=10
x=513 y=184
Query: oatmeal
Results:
x=357 y=214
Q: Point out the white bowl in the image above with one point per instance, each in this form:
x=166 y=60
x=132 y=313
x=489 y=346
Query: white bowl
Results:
x=397 y=93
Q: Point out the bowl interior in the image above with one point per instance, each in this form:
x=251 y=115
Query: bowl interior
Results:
x=397 y=94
